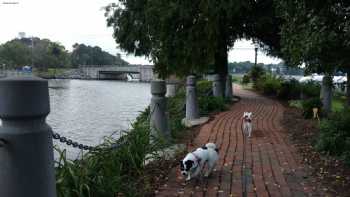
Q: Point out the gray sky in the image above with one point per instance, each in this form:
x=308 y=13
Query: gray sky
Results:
x=80 y=21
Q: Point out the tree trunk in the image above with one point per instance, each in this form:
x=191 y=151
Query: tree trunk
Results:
x=327 y=84
x=221 y=60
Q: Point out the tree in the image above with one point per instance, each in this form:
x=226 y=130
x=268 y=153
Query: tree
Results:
x=181 y=37
x=314 y=33
x=15 y=54
x=88 y=55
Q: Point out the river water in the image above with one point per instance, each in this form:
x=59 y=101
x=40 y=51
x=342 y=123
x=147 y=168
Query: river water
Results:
x=88 y=111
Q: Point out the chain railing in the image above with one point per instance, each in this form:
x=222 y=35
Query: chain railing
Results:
x=72 y=143
x=75 y=144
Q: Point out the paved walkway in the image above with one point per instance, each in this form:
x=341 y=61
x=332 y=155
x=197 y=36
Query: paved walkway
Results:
x=264 y=165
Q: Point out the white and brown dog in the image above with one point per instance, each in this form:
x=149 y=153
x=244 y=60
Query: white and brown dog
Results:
x=193 y=164
x=247 y=123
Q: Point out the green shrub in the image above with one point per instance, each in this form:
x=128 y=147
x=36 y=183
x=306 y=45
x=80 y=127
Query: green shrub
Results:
x=245 y=79
x=309 y=104
x=209 y=104
x=334 y=137
x=204 y=87
x=289 y=90
x=256 y=72
x=176 y=108
x=310 y=89
x=268 y=84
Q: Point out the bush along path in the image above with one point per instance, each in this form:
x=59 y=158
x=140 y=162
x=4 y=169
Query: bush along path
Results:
x=264 y=165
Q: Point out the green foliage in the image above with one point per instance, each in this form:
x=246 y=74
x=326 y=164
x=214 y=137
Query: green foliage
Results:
x=45 y=54
x=208 y=104
x=334 y=135
x=88 y=55
x=255 y=73
x=204 y=88
x=15 y=54
x=289 y=90
x=181 y=37
x=107 y=172
x=245 y=79
x=310 y=89
x=268 y=84
x=245 y=67
x=314 y=33
x=176 y=107
x=309 y=104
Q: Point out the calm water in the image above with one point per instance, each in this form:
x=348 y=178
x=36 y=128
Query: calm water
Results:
x=87 y=111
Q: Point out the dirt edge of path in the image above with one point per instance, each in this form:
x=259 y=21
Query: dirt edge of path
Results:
x=329 y=174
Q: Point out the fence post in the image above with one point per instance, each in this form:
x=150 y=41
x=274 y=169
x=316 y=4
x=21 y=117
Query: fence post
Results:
x=158 y=109
x=26 y=157
x=191 y=99
x=217 y=86
x=228 y=90
x=171 y=89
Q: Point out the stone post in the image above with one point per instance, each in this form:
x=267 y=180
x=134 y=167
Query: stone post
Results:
x=217 y=86
x=171 y=89
x=158 y=109
x=192 y=111
x=228 y=90
x=26 y=157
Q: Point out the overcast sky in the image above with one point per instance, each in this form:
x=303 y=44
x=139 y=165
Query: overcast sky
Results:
x=80 y=21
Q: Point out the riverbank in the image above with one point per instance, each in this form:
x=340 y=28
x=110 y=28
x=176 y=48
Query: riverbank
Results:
x=122 y=171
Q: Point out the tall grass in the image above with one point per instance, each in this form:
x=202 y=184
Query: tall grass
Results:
x=109 y=171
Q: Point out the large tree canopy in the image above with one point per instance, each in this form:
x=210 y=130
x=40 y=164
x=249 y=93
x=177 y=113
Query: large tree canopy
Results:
x=316 y=33
x=88 y=55
x=179 y=36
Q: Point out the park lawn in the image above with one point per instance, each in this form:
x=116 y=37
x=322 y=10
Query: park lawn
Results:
x=338 y=104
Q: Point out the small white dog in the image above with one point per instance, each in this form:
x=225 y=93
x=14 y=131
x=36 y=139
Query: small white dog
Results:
x=193 y=164
x=247 y=123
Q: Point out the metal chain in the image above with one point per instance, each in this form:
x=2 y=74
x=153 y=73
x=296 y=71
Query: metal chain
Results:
x=72 y=143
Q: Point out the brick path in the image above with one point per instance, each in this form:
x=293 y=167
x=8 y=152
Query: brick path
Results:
x=264 y=165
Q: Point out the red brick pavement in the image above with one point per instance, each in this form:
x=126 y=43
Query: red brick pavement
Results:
x=264 y=165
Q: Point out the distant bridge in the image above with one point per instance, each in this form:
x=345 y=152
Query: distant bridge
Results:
x=141 y=72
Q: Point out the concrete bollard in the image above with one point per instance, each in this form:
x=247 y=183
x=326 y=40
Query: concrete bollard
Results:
x=217 y=86
x=158 y=109
x=191 y=99
x=228 y=87
x=171 y=89
x=26 y=159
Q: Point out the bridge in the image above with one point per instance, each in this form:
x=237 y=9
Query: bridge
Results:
x=121 y=72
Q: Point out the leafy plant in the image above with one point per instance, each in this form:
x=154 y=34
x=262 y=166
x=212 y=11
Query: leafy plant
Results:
x=334 y=135
x=245 y=79
x=310 y=89
x=289 y=90
x=256 y=72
